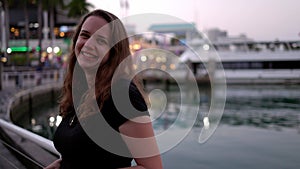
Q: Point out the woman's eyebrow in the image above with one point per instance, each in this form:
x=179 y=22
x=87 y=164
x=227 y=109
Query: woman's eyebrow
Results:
x=85 y=31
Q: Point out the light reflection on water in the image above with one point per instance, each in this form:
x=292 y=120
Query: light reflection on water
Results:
x=272 y=107
x=260 y=128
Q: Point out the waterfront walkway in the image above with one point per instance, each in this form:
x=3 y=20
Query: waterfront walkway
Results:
x=7 y=158
x=15 y=151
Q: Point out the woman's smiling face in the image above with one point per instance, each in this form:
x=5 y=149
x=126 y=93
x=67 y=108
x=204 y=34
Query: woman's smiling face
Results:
x=92 y=46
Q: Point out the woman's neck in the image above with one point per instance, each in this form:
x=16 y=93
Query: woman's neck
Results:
x=90 y=79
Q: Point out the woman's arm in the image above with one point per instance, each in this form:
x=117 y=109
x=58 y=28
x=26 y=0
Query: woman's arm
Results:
x=139 y=137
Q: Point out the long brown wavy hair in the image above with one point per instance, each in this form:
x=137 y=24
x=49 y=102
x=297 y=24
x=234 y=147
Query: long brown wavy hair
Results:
x=118 y=52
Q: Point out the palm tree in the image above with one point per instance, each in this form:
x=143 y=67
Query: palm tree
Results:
x=40 y=22
x=4 y=5
x=77 y=8
x=1 y=8
x=50 y=6
x=26 y=26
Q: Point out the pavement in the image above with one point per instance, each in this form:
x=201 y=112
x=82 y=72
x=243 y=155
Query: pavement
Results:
x=7 y=158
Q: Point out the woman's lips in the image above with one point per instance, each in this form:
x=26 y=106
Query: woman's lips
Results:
x=89 y=55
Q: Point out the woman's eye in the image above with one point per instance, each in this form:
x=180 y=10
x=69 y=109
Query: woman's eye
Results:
x=102 y=41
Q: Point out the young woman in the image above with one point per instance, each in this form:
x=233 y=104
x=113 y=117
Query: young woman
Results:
x=100 y=47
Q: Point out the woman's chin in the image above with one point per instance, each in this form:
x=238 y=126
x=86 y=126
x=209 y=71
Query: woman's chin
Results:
x=89 y=66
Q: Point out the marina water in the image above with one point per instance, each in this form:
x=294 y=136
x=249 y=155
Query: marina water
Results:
x=260 y=128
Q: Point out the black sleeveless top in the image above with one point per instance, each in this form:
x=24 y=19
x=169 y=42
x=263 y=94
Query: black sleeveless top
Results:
x=79 y=151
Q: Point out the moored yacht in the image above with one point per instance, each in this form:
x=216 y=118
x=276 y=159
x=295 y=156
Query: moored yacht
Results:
x=246 y=61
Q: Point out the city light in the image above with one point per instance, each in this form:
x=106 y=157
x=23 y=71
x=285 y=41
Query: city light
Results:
x=163 y=67
x=143 y=58
x=206 y=122
x=158 y=59
x=56 y=50
x=18 y=49
x=51 y=119
x=172 y=66
x=136 y=46
x=49 y=49
x=58 y=120
x=37 y=48
x=33 y=121
x=3 y=59
x=206 y=47
x=8 y=50
x=62 y=34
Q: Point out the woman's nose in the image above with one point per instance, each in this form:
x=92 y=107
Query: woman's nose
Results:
x=88 y=44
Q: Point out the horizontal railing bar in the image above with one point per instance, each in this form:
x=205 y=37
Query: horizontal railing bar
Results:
x=39 y=140
x=20 y=153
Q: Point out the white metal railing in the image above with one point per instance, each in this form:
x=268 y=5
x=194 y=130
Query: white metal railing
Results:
x=35 y=138
x=27 y=79
x=39 y=140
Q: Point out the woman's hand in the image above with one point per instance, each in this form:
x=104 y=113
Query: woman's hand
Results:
x=54 y=165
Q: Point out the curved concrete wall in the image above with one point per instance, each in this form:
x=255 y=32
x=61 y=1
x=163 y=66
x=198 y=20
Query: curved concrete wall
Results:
x=21 y=105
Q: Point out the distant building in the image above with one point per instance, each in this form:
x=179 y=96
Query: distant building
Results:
x=52 y=48
x=130 y=28
x=17 y=24
x=215 y=35
x=181 y=31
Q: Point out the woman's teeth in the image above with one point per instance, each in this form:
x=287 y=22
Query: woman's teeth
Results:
x=88 y=55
